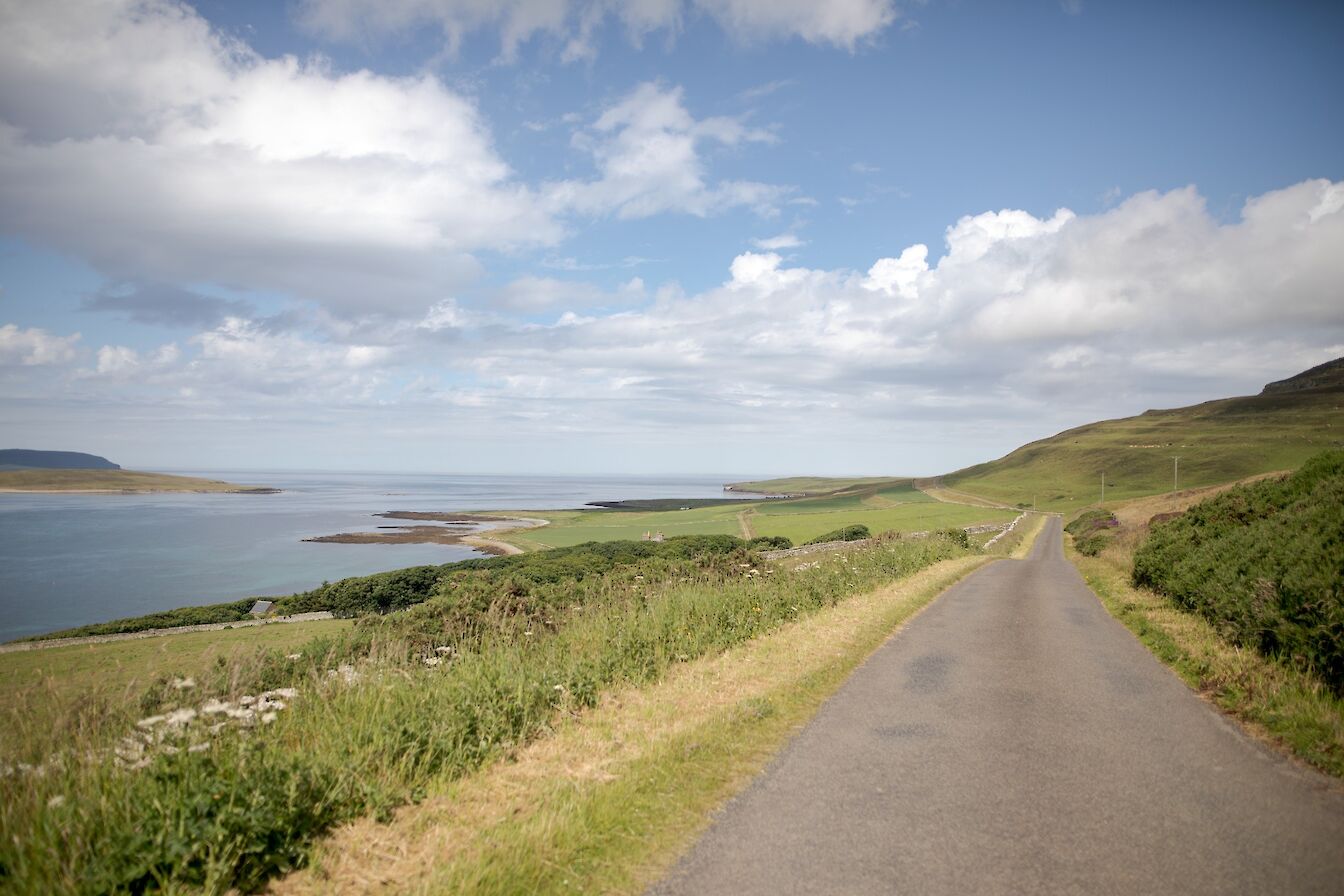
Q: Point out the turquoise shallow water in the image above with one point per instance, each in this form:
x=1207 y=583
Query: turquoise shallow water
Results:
x=69 y=560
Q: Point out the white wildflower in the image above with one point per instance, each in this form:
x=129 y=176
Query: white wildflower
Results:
x=198 y=748
x=443 y=650
x=56 y=802
x=268 y=718
x=246 y=700
x=432 y=661
x=215 y=707
x=183 y=684
x=293 y=656
x=287 y=693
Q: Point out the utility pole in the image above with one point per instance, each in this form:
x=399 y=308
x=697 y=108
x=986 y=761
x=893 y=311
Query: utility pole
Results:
x=1175 y=473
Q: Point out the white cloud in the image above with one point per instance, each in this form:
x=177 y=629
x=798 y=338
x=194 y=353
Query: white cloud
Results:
x=782 y=241
x=34 y=347
x=1023 y=325
x=647 y=150
x=364 y=192
x=576 y=23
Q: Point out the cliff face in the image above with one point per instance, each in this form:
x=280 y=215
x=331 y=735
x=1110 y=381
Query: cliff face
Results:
x=25 y=459
x=1329 y=375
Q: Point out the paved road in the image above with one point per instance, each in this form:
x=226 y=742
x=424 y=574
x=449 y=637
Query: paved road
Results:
x=1017 y=739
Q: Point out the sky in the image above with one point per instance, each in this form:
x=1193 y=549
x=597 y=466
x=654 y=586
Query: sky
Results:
x=759 y=237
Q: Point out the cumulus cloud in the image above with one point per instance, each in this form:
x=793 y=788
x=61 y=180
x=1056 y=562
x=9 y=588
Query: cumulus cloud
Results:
x=647 y=150
x=1153 y=302
x=34 y=347
x=171 y=153
x=839 y=23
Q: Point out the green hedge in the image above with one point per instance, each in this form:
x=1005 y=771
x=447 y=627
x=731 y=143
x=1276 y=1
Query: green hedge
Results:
x=1264 y=563
x=848 y=533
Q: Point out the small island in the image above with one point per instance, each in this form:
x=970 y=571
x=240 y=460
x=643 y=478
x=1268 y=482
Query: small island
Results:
x=71 y=472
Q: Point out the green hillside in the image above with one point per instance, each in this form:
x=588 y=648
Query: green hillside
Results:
x=1216 y=442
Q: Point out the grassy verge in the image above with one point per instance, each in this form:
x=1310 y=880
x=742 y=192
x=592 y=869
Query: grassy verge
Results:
x=1285 y=706
x=376 y=716
x=608 y=801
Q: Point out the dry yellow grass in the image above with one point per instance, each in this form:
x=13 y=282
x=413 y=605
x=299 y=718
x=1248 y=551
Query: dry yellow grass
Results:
x=540 y=804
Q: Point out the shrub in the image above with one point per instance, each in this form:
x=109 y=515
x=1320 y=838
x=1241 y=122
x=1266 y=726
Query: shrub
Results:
x=956 y=536
x=1264 y=563
x=848 y=533
x=770 y=543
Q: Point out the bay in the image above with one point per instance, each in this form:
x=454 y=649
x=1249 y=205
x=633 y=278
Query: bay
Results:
x=68 y=560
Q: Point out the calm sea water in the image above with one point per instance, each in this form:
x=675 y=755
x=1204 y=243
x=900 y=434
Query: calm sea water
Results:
x=68 y=560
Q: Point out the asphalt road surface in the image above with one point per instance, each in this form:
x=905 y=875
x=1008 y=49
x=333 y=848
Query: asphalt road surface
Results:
x=1016 y=739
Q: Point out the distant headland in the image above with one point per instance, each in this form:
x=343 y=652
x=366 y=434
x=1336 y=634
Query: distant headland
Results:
x=25 y=470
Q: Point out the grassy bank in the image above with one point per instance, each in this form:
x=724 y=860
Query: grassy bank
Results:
x=1286 y=706
x=409 y=699
x=1263 y=563
x=608 y=801
x=48 y=695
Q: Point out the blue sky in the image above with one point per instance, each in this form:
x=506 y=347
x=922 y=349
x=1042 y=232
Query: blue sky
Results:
x=720 y=236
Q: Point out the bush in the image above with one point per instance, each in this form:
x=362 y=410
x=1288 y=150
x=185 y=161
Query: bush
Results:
x=848 y=533
x=956 y=536
x=1264 y=563
x=770 y=543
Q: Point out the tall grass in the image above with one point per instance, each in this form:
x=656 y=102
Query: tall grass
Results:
x=249 y=805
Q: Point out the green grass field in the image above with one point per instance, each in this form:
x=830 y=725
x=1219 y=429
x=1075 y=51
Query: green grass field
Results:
x=1217 y=442
x=881 y=505
x=805 y=485
x=49 y=687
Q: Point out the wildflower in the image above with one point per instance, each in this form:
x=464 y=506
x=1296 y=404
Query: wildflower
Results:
x=293 y=656
x=183 y=684
x=287 y=693
x=432 y=661
x=56 y=802
x=214 y=707
x=268 y=718
x=198 y=748
x=246 y=700
x=443 y=650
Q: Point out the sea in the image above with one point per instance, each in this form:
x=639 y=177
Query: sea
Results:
x=68 y=560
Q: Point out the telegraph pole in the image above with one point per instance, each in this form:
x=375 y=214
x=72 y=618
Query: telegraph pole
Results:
x=1175 y=473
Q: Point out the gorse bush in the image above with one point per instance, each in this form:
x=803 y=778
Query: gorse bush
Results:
x=540 y=639
x=770 y=543
x=848 y=533
x=232 y=611
x=1264 y=563
x=1087 y=531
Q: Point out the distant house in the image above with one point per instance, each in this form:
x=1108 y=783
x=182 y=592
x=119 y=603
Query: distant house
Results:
x=262 y=608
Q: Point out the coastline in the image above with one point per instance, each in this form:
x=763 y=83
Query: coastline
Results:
x=450 y=530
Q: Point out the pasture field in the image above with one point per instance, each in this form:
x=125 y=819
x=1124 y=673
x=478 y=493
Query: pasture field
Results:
x=881 y=505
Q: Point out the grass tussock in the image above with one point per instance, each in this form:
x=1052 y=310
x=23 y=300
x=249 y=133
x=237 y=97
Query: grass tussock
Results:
x=386 y=708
